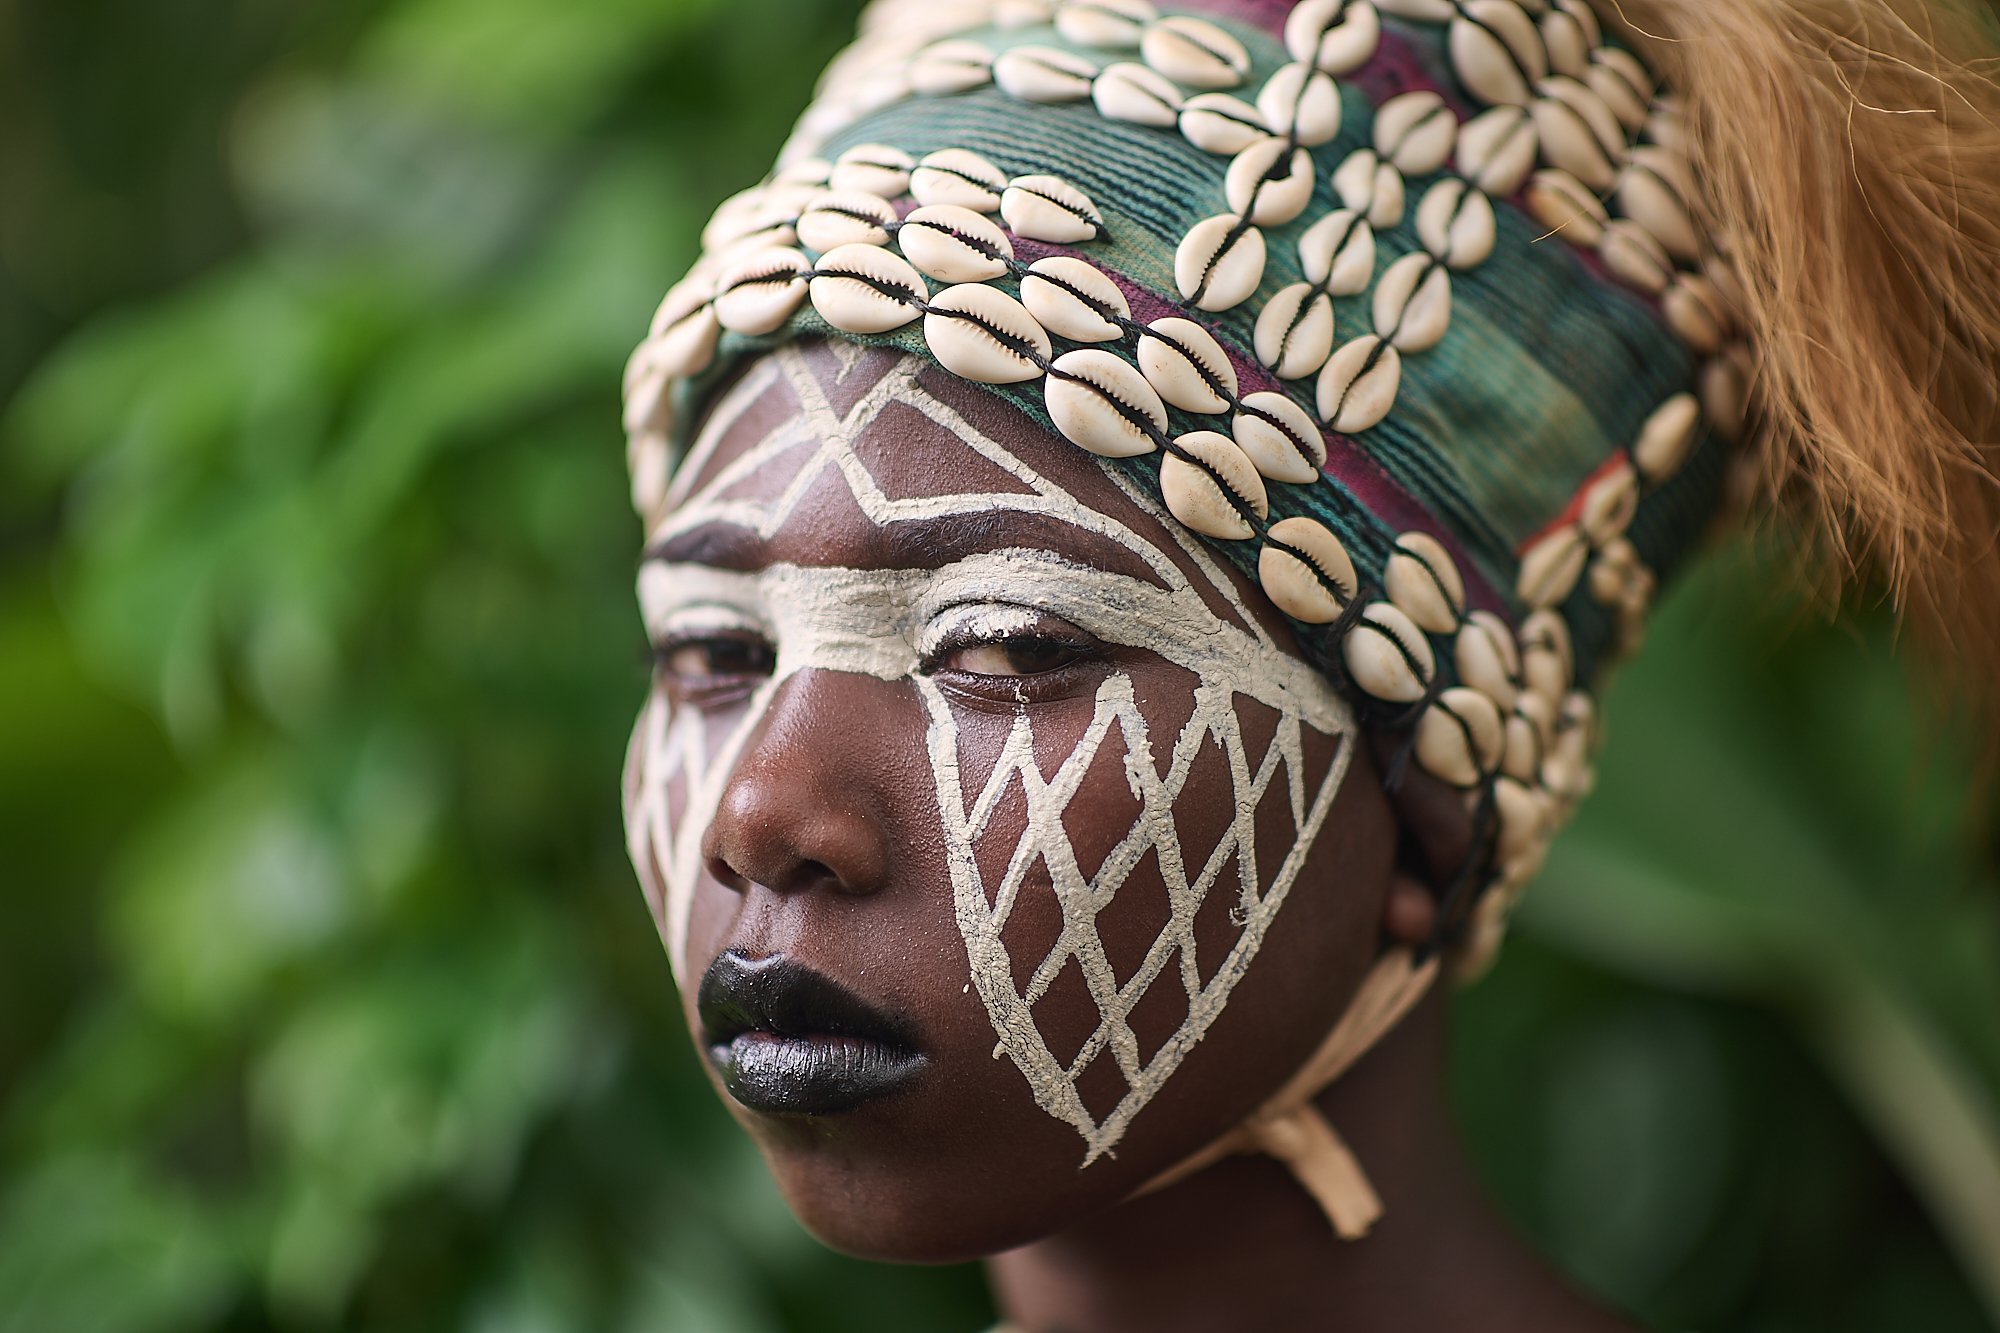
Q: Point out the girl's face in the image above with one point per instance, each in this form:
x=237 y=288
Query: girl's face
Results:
x=1004 y=849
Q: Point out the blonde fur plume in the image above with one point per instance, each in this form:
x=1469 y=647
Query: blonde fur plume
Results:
x=1849 y=157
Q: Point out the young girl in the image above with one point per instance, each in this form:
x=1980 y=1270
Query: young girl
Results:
x=1139 y=505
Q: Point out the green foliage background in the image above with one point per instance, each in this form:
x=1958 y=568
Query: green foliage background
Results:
x=326 y=1001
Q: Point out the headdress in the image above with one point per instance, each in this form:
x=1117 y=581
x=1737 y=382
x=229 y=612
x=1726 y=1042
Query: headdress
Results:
x=1412 y=307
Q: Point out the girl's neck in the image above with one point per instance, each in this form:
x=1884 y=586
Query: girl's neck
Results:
x=1241 y=1246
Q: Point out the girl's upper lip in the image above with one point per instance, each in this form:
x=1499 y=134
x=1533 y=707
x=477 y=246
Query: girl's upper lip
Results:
x=781 y=996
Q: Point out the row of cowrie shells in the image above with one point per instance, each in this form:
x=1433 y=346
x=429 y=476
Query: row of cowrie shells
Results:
x=1572 y=122
x=1220 y=262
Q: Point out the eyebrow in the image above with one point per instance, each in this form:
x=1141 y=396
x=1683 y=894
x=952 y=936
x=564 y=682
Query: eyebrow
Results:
x=922 y=544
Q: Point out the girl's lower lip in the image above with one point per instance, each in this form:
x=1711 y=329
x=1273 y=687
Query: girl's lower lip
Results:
x=815 y=1075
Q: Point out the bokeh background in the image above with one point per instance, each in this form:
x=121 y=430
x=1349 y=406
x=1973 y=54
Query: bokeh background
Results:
x=326 y=999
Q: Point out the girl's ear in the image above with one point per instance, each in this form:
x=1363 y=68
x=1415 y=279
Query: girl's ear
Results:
x=1435 y=838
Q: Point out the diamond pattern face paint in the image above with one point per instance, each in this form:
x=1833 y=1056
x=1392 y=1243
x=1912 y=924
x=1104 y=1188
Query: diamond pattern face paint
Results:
x=1011 y=788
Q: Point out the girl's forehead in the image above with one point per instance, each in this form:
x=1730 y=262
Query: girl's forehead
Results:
x=916 y=432
x=828 y=453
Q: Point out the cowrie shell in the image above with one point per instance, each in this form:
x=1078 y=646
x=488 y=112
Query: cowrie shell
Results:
x=1609 y=503
x=879 y=87
x=812 y=171
x=1634 y=257
x=1561 y=204
x=1488 y=659
x=781 y=236
x=1219 y=263
x=1371 y=187
x=1456 y=224
x=1725 y=397
x=1113 y=25
x=1568 y=141
x=758 y=293
x=1358 y=386
x=648 y=393
x=1388 y=656
x=1270 y=182
x=1651 y=199
x=1694 y=311
x=1497 y=149
x=1188 y=367
x=1194 y=53
x=1589 y=108
x=1043 y=74
x=1048 y=208
x=1299 y=559
x=1413 y=303
x=1548 y=658
x=1666 y=438
x=1576 y=725
x=1667 y=129
x=872 y=168
x=682 y=299
x=866 y=289
x=1338 y=252
x=1528 y=725
x=956 y=176
x=1102 y=403
x=1568 y=42
x=1612 y=571
x=1551 y=567
x=1074 y=299
x=1496 y=51
x=954 y=244
x=1522 y=818
x=1423 y=11
x=1218 y=123
x=1302 y=104
x=1139 y=96
x=1198 y=492
x=947 y=67
x=1279 y=438
x=845 y=217
x=1424 y=583
x=1338 y=36
x=649 y=463
x=1415 y=132
x=1460 y=737
x=1294 y=334
x=686 y=347
x=1012 y=14
x=984 y=335
x=739 y=215
x=1623 y=82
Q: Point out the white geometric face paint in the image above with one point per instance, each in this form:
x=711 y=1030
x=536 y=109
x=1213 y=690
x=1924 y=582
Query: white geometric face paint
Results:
x=885 y=623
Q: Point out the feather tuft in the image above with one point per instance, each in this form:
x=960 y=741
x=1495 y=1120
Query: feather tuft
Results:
x=1848 y=155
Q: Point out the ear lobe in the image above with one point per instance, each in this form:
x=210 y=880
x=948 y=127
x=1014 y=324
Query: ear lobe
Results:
x=1410 y=912
x=1437 y=836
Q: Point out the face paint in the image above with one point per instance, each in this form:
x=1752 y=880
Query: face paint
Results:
x=888 y=624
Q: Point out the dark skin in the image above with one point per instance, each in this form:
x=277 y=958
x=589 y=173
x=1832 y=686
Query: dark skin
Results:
x=824 y=846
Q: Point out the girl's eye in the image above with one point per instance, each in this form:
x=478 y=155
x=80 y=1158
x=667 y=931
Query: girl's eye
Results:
x=1022 y=655
x=712 y=667
x=1006 y=650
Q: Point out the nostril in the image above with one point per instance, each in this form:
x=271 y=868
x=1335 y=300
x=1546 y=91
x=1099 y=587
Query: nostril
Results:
x=725 y=874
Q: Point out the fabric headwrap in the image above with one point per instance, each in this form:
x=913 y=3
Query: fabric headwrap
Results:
x=1400 y=304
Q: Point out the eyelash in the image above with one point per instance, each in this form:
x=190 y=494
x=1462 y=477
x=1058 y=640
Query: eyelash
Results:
x=1082 y=652
x=713 y=686
x=747 y=657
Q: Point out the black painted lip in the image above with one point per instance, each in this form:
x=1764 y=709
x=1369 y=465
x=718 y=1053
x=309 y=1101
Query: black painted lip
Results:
x=789 y=1041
